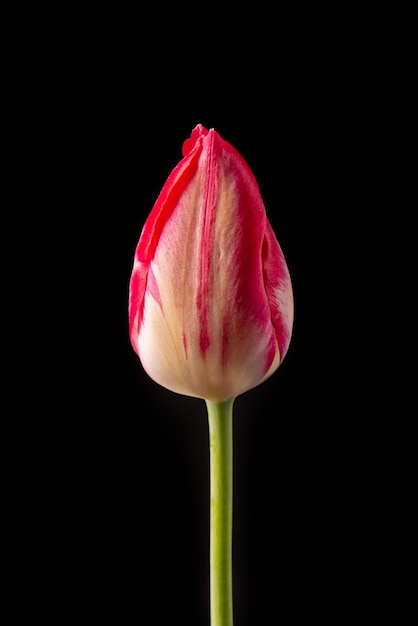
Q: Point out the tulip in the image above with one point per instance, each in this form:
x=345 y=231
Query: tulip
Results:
x=211 y=304
x=211 y=309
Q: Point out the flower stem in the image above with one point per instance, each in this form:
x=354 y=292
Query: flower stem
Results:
x=221 y=492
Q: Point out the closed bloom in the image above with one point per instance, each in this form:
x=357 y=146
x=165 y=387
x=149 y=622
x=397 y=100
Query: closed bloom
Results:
x=210 y=296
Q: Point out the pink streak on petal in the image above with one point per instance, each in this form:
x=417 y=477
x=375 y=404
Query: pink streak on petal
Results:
x=225 y=342
x=136 y=301
x=209 y=196
x=152 y=288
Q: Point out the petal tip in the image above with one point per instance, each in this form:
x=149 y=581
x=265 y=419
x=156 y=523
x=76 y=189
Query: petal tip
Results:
x=199 y=131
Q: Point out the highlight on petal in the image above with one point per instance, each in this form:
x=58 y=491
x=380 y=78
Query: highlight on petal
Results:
x=210 y=299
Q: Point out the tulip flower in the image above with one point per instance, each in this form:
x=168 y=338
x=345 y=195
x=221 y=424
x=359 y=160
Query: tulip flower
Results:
x=211 y=308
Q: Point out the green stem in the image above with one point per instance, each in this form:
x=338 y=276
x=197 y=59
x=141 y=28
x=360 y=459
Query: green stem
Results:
x=221 y=484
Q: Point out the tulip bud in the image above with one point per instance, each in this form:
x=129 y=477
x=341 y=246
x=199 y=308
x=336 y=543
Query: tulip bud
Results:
x=210 y=296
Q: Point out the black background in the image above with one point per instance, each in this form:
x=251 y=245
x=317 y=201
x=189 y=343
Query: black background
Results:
x=114 y=468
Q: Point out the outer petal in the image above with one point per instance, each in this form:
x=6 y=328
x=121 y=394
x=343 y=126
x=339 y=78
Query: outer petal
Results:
x=210 y=295
x=150 y=236
x=279 y=290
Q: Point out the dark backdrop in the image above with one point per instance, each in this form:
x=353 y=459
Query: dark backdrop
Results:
x=116 y=478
